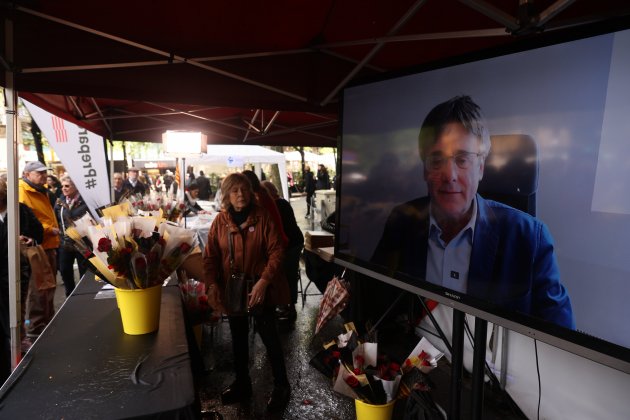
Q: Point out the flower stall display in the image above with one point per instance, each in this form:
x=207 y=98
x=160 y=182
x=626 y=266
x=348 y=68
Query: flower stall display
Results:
x=157 y=203
x=131 y=252
x=358 y=371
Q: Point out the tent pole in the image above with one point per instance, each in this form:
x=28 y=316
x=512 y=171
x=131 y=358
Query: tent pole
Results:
x=13 y=213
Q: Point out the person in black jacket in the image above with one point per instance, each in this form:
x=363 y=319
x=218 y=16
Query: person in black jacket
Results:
x=292 y=252
x=68 y=209
x=309 y=188
x=323 y=179
x=133 y=184
x=31 y=231
x=205 y=191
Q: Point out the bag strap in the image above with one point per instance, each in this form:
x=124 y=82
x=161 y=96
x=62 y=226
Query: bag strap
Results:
x=231 y=248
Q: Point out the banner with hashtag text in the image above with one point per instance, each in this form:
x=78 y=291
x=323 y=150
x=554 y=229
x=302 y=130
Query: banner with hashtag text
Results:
x=81 y=152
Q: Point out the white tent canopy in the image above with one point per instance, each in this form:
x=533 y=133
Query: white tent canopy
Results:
x=311 y=158
x=240 y=155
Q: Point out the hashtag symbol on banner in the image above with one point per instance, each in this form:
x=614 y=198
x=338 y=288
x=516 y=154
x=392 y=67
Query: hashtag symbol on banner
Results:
x=90 y=183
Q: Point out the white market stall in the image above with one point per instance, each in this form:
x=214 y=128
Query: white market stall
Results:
x=237 y=156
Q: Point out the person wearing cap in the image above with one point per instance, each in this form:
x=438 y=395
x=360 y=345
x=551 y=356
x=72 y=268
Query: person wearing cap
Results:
x=132 y=183
x=33 y=193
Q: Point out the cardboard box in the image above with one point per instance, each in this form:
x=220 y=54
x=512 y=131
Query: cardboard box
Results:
x=318 y=239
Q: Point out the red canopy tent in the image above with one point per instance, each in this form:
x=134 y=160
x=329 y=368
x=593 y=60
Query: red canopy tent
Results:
x=266 y=73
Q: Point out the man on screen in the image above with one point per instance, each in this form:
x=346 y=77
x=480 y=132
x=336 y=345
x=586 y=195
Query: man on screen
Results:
x=456 y=239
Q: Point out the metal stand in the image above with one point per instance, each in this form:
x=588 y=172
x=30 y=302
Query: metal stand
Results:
x=479 y=364
x=457 y=365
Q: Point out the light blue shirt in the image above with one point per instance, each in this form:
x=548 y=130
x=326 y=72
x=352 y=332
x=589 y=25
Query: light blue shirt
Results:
x=447 y=264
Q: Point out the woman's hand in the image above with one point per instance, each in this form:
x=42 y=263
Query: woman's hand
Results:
x=257 y=295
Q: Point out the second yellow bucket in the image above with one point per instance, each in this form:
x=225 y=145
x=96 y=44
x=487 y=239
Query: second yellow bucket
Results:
x=140 y=309
x=367 y=411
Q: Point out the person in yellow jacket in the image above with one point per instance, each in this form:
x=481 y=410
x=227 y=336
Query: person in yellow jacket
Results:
x=33 y=193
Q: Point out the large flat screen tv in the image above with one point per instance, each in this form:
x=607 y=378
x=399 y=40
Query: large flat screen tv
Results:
x=419 y=198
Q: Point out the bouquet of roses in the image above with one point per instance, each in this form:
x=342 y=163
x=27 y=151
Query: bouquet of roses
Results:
x=157 y=204
x=196 y=302
x=131 y=252
x=359 y=372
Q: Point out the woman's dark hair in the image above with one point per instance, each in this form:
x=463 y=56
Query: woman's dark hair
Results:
x=193 y=186
x=253 y=179
x=56 y=182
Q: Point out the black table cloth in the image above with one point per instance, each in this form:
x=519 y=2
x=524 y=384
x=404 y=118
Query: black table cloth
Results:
x=85 y=367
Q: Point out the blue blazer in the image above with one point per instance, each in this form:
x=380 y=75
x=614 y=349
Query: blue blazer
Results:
x=512 y=263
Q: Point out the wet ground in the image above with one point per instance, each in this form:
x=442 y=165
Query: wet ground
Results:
x=312 y=396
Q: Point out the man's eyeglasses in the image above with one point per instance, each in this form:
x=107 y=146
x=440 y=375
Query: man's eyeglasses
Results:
x=463 y=160
x=66 y=186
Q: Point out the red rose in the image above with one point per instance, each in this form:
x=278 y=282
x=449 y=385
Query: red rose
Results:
x=141 y=263
x=407 y=362
x=356 y=371
x=423 y=355
x=104 y=245
x=352 y=381
x=184 y=247
x=425 y=362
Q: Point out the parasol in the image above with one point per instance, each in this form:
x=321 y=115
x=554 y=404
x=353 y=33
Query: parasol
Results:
x=336 y=297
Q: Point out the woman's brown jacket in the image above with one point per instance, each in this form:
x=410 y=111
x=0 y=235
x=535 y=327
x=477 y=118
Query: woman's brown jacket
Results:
x=258 y=252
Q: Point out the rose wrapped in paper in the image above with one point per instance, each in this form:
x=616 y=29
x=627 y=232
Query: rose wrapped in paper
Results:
x=133 y=252
x=196 y=302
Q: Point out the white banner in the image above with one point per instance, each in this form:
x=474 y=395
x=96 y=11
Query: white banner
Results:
x=81 y=152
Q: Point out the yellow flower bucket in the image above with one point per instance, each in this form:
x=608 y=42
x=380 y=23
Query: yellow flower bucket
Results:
x=140 y=309
x=367 y=411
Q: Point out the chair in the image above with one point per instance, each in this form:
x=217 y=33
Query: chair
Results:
x=511 y=172
x=303 y=291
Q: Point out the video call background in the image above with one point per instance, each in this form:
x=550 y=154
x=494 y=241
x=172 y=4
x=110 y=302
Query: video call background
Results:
x=573 y=99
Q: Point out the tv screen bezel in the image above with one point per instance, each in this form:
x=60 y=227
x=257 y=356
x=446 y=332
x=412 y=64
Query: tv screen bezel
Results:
x=579 y=343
